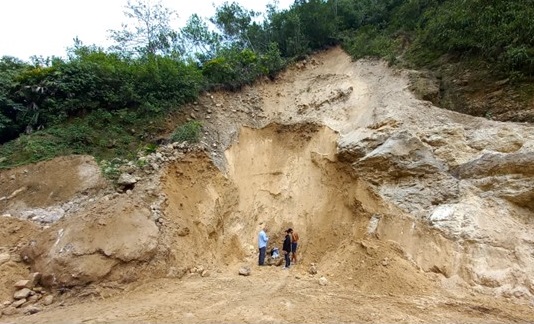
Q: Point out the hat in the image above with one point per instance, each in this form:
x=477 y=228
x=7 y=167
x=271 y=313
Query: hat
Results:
x=289 y=230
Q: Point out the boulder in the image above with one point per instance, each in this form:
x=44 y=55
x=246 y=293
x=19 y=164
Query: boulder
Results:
x=22 y=293
x=4 y=257
x=126 y=179
x=244 y=271
x=48 y=300
x=24 y=284
x=401 y=155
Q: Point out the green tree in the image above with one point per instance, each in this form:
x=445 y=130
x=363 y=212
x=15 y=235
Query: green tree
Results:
x=317 y=21
x=199 y=40
x=287 y=31
x=234 y=22
x=10 y=126
x=149 y=31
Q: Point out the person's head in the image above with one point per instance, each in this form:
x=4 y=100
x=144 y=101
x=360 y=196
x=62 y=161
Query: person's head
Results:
x=289 y=231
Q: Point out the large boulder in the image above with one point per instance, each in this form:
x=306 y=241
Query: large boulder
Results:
x=86 y=247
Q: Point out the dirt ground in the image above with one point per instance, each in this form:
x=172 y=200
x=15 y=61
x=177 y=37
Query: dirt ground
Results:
x=272 y=295
x=280 y=170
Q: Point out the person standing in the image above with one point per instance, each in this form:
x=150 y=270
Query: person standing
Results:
x=262 y=245
x=294 y=244
x=287 y=248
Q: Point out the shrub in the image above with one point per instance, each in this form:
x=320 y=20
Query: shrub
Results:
x=188 y=132
x=369 y=42
x=233 y=68
x=164 y=82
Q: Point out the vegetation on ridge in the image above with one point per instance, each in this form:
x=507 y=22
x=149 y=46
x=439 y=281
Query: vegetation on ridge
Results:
x=109 y=102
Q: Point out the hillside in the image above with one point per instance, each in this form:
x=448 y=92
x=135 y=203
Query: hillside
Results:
x=407 y=213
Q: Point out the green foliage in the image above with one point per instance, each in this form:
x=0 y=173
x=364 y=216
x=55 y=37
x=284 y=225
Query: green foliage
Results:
x=78 y=137
x=498 y=31
x=199 y=41
x=10 y=125
x=271 y=61
x=111 y=168
x=150 y=148
x=287 y=31
x=318 y=22
x=109 y=103
x=149 y=32
x=32 y=94
x=163 y=82
x=233 y=68
x=30 y=149
x=234 y=22
x=94 y=79
x=370 y=42
x=102 y=133
x=188 y=132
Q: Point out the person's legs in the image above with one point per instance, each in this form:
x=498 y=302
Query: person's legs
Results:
x=288 y=262
x=261 y=260
x=294 y=252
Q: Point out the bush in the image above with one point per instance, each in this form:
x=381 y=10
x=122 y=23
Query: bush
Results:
x=188 y=132
x=369 y=42
x=31 y=148
x=271 y=61
x=233 y=68
x=164 y=82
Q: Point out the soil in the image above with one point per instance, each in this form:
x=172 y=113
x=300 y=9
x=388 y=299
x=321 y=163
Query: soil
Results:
x=472 y=88
x=271 y=172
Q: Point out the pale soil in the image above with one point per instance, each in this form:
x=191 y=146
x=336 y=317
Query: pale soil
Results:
x=283 y=175
x=273 y=295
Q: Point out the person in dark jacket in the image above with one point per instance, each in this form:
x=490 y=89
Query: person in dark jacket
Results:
x=287 y=247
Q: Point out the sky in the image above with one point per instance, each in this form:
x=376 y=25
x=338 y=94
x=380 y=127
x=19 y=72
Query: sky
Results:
x=48 y=27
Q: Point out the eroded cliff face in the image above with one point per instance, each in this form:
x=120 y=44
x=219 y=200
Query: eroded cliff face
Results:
x=467 y=178
x=389 y=193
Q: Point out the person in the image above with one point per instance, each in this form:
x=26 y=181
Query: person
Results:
x=294 y=244
x=287 y=247
x=262 y=245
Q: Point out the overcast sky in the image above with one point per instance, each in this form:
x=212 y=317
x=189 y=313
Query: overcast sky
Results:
x=47 y=27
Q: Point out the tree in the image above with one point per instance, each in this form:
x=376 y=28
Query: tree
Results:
x=287 y=31
x=10 y=127
x=149 y=32
x=234 y=22
x=198 y=39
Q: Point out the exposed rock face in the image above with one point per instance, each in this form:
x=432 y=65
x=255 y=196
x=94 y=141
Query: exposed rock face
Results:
x=473 y=184
x=494 y=165
x=345 y=148
x=87 y=247
x=507 y=176
x=401 y=155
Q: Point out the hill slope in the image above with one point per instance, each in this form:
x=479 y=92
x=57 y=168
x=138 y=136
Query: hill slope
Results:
x=408 y=213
